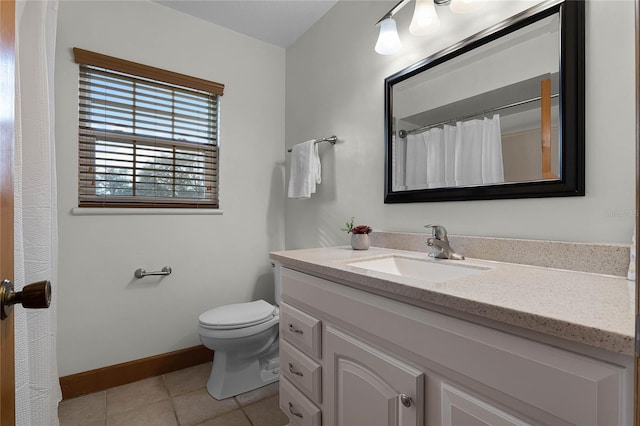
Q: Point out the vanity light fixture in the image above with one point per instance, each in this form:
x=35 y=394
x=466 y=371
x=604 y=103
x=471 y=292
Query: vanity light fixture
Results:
x=388 y=40
x=425 y=19
x=424 y=22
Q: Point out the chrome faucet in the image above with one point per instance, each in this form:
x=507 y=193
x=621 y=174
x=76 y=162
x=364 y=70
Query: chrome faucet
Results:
x=439 y=242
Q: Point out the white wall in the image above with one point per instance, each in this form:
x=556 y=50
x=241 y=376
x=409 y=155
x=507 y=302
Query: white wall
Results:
x=105 y=315
x=335 y=86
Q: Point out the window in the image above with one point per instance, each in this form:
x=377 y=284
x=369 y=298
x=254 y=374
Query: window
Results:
x=147 y=137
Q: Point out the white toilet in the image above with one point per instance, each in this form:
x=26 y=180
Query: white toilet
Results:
x=244 y=337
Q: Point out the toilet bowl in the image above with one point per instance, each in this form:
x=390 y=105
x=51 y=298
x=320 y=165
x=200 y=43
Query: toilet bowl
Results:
x=244 y=338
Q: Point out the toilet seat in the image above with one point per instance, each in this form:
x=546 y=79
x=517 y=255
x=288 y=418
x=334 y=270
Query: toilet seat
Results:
x=238 y=315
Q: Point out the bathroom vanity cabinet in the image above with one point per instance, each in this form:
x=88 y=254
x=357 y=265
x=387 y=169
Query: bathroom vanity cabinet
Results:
x=350 y=357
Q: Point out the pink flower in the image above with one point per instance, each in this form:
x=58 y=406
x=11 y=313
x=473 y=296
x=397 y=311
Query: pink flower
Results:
x=361 y=229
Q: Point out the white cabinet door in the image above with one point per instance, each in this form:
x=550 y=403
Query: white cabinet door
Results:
x=460 y=408
x=367 y=387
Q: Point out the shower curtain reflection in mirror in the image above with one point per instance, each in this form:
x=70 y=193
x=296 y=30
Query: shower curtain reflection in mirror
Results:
x=468 y=153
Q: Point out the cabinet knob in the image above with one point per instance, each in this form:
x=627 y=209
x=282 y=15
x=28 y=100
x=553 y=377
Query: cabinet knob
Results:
x=294 y=370
x=295 y=412
x=294 y=329
x=406 y=400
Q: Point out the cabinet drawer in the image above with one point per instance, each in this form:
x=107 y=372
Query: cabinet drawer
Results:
x=301 y=329
x=301 y=370
x=297 y=407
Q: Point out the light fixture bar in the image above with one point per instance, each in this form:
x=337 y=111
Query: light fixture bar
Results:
x=402 y=3
x=425 y=21
x=395 y=10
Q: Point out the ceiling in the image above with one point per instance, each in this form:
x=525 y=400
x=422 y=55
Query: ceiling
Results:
x=278 y=22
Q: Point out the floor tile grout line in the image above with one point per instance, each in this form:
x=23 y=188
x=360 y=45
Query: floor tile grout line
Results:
x=175 y=412
x=184 y=392
x=247 y=416
x=173 y=405
x=104 y=421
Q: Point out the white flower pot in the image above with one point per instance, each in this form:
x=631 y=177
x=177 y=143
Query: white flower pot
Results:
x=360 y=241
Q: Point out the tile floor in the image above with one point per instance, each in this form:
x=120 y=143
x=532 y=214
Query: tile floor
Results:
x=177 y=398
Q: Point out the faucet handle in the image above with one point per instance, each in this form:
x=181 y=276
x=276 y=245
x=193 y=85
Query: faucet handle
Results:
x=439 y=232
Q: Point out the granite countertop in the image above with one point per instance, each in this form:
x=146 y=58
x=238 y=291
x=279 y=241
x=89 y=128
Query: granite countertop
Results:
x=593 y=309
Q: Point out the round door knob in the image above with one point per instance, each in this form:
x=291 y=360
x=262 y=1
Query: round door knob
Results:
x=33 y=296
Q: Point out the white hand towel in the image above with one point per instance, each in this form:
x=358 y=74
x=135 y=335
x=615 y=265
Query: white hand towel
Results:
x=305 y=170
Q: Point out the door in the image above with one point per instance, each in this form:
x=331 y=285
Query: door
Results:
x=368 y=387
x=35 y=295
x=7 y=93
x=636 y=390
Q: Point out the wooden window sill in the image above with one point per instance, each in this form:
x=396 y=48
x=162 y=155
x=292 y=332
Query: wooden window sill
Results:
x=115 y=211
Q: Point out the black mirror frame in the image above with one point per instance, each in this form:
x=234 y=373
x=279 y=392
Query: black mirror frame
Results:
x=572 y=111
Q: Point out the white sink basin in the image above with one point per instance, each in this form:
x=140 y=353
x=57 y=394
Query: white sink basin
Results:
x=427 y=269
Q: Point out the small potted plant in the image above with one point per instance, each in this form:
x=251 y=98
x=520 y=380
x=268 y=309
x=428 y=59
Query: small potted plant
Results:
x=359 y=235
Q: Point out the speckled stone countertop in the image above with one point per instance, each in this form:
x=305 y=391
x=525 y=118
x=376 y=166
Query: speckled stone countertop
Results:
x=593 y=309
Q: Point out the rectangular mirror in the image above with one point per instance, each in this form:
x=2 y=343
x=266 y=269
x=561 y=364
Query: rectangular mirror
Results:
x=498 y=115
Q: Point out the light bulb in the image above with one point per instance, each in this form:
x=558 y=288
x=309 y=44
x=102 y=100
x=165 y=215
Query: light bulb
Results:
x=388 y=41
x=425 y=19
x=463 y=6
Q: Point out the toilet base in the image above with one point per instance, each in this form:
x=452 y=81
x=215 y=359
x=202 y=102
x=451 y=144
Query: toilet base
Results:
x=231 y=376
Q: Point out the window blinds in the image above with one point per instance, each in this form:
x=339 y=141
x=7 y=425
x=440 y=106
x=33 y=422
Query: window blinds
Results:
x=145 y=143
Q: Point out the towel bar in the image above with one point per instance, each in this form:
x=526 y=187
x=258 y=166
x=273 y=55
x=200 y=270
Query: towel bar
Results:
x=141 y=273
x=331 y=139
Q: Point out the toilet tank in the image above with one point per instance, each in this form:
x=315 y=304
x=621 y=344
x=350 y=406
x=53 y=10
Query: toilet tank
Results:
x=277 y=280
